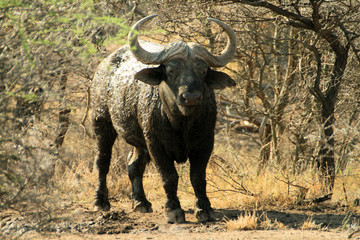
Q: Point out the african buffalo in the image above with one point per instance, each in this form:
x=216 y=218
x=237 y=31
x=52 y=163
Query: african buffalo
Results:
x=167 y=112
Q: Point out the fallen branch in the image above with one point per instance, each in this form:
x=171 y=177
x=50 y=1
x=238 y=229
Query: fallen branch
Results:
x=319 y=199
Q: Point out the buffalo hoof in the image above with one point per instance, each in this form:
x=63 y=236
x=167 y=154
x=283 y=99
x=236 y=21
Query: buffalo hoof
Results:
x=102 y=205
x=102 y=200
x=142 y=207
x=175 y=216
x=205 y=215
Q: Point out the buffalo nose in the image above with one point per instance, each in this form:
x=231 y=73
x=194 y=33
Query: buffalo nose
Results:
x=191 y=98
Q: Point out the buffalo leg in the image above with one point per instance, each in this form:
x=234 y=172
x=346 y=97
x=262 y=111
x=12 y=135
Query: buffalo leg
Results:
x=138 y=158
x=105 y=138
x=203 y=210
x=170 y=179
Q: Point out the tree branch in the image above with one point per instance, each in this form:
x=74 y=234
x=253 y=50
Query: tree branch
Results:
x=305 y=22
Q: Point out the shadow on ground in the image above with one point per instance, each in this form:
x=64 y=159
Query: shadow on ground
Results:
x=79 y=218
x=295 y=218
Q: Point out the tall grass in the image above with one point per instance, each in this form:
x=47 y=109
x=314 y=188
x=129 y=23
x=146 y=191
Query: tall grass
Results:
x=232 y=179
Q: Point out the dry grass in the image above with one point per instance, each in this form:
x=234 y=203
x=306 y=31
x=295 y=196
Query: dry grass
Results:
x=226 y=186
x=250 y=221
x=267 y=224
x=247 y=221
x=310 y=224
x=232 y=181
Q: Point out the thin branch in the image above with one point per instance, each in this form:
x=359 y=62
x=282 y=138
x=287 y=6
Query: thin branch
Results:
x=291 y=184
x=86 y=114
x=305 y=22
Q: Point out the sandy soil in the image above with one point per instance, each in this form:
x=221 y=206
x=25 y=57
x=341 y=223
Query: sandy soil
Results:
x=78 y=221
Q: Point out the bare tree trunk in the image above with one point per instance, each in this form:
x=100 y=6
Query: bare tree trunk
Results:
x=265 y=138
x=271 y=130
x=64 y=113
x=326 y=159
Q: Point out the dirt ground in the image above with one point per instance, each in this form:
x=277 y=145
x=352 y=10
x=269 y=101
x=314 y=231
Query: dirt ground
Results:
x=79 y=221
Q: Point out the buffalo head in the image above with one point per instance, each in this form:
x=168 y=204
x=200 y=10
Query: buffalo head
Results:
x=184 y=75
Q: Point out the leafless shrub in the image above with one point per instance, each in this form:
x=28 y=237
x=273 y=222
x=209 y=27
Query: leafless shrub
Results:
x=48 y=53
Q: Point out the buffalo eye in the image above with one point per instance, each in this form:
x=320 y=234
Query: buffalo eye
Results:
x=171 y=71
x=204 y=71
x=201 y=68
x=173 y=67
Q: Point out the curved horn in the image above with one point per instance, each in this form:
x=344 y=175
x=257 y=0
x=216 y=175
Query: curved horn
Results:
x=228 y=53
x=141 y=54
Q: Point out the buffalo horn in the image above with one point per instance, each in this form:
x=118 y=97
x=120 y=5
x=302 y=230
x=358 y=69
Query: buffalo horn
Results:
x=141 y=54
x=157 y=57
x=228 y=53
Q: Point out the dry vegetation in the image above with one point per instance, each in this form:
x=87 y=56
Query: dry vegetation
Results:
x=270 y=135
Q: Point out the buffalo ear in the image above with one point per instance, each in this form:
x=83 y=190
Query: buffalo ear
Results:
x=219 y=80
x=151 y=76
